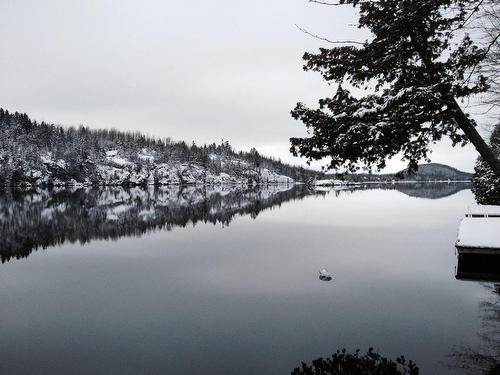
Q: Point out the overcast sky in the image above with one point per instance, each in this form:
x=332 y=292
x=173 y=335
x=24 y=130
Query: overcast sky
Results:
x=191 y=70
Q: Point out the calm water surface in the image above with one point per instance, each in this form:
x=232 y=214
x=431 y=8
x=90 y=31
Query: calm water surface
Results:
x=195 y=281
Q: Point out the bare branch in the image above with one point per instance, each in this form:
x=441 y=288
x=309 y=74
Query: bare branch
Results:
x=326 y=39
x=321 y=2
x=325 y=3
x=492 y=43
x=474 y=10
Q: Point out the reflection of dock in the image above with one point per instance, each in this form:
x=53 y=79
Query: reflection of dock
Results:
x=479 y=231
x=478 y=267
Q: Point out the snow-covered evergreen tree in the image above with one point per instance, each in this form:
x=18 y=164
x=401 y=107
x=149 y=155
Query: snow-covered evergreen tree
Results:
x=486 y=185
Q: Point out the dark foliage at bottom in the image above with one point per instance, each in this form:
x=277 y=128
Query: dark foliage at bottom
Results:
x=344 y=363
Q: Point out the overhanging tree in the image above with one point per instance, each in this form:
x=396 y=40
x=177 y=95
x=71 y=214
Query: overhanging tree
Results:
x=488 y=24
x=415 y=69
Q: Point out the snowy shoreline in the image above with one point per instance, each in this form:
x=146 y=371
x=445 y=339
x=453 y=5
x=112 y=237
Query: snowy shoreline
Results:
x=116 y=170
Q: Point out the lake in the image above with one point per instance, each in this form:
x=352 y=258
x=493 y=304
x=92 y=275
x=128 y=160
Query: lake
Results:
x=225 y=280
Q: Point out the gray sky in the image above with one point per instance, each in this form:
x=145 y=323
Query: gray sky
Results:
x=189 y=70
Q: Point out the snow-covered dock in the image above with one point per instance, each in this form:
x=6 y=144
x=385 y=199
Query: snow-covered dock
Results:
x=479 y=231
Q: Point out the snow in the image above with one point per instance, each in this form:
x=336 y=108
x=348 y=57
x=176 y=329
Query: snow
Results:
x=167 y=174
x=362 y=112
x=146 y=155
x=46 y=158
x=479 y=233
x=332 y=182
x=119 y=161
x=35 y=174
x=266 y=176
x=114 y=157
x=340 y=115
x=61 y=163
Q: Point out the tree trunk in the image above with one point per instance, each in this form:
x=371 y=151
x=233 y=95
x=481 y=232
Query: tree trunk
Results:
x=475 y=138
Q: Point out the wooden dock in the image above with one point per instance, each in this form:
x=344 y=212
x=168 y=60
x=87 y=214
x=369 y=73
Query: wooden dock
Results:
x=479 y=231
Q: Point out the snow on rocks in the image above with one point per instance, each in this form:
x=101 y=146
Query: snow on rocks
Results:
x=114 y=158
x=324 y=275
x=167 y=174
x=327 y=183
x=266 y=176
x=116 y=168
x=146 y=155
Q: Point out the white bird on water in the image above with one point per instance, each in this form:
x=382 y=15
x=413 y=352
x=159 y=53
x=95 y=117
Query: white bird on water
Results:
x=324 y=275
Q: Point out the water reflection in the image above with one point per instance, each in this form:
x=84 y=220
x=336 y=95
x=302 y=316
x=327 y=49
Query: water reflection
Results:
x=483 y=358
x=39 y=218
x=42 y=218
x=427 y=190
x=206 y=299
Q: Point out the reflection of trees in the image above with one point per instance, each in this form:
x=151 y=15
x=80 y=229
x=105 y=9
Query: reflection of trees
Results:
x=39 y=219
x=432 y=190
x=485 y=358
x=428 y=190
x=43 y=218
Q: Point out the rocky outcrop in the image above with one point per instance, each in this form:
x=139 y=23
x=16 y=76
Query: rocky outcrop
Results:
x=115 y=170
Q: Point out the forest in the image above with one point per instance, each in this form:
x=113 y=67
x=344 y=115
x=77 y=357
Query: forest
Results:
x=38 y=153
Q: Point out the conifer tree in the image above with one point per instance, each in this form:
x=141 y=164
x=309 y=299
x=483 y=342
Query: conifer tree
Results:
x=414 y=70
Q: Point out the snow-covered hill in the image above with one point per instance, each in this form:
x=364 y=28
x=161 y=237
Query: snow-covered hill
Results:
x=41 y=154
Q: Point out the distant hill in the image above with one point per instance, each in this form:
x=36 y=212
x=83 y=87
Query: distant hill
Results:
x=425 y=172
x=434 y=171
